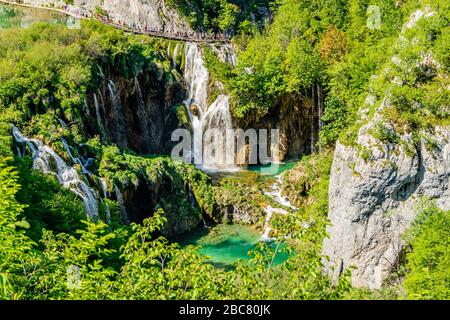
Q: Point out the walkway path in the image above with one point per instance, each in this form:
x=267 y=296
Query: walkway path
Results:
x=141 y=29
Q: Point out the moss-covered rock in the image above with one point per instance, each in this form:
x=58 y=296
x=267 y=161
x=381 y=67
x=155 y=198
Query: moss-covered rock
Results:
x=240 y=199
x=150 y=183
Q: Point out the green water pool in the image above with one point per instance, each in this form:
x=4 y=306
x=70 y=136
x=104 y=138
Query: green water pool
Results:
x=273 y=169
x=227 y=244
x=22 y=17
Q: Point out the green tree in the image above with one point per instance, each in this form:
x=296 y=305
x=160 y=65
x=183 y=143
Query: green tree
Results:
x=428 y=261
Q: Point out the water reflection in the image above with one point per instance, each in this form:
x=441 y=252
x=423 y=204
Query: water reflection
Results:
x=21 y=17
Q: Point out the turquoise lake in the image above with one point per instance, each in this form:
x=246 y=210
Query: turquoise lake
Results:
x=227 y=244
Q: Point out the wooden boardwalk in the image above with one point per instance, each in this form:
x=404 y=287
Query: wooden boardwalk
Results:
x=182 y=36
x=134 y=29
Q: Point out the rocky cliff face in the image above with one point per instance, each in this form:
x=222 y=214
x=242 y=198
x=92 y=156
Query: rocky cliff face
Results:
x=169 y=191
x=373 y=203
x=138 y=114
x=298 y=119
x=153 y=13
x=377 y=186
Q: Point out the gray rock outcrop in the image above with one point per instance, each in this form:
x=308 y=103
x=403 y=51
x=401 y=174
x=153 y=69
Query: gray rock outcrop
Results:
x=373 y=203
x=377 y=187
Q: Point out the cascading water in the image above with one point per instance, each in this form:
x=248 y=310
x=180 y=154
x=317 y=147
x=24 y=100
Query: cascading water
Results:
x=101 y=127
x=215 y=119
x=226 y=54
x=143 y=117
x=82 y=162
x=119 y=125
x=61 y=122
x=277 y=196
x=316 y=115
x=105 y=192
x=175 y=55
x=48 y=161
x=121 y=201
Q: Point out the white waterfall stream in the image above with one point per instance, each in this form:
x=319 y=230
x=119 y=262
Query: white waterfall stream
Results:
x=61 y=122
x=211 y=125
x=276 y=194
x=48 y=161
x=98 y=115
x=121 y=201
x=119 y=118
x=82 y=162
x=175 y=55
x=105 y=192
x=143 y=116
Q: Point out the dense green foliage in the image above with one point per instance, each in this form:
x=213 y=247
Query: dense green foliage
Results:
x=124 y=263
x=223 y=15
x=428 y=261
x=179 y=181
x=339 y=46
x=410 y=88
x=48 y=251
x=310 y=43
x=49 y=68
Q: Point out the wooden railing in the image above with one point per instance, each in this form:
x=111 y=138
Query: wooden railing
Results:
x=161 y=33
x=141 y=29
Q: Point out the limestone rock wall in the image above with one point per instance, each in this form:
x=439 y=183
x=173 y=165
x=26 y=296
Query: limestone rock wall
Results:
x=153 y=13
x=376 y=186
x=373 y=203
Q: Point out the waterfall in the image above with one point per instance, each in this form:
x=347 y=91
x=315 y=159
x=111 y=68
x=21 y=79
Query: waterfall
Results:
x=226 y=54
x=105 y=192
x=118 y=114
x=320 y=103
x=142 y=112
x=48 y=161
x=121 y=201
x=276 y=195
x=83 y=163
x=86 y=107
x=175 y=55
x=316 y=115
x=196 y=76
x=218 y=123
x=61 y=122
x=19 y=153
x=101 y=127
x=216 y=118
